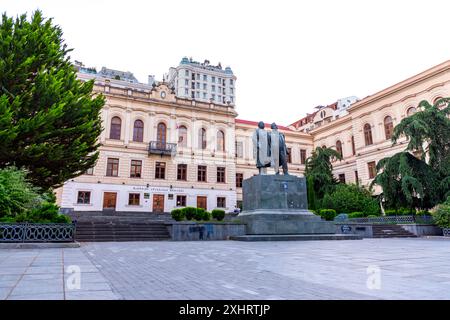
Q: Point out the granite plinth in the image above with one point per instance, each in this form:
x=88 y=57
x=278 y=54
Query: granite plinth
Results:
x=277 y=205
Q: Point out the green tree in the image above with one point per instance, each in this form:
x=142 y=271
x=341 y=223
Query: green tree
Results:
x=421 y=182
x=319 y=173
x=49 y=120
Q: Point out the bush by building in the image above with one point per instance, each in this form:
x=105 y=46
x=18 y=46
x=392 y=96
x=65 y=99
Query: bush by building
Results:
x=218 y=214
x=177 y=214
x=328 y=214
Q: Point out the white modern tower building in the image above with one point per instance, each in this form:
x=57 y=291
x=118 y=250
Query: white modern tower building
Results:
x=203 y=82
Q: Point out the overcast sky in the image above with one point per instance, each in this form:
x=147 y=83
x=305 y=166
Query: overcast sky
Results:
x=288 y=56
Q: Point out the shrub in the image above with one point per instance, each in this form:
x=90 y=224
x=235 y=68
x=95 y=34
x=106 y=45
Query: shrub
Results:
x=372 y=216
x=177 y=214
x=189 y=212
x=423 y=213
x=348 y=198
x=199 y=214
x=390 y=212
x=356 y=215
x=206 y=215
x=218 y=214
x=327 y=214
x=442 y=216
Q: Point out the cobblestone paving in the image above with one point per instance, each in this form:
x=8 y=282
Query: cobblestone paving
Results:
x=365 y=269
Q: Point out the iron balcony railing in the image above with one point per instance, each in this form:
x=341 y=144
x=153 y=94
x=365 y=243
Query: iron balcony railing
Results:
x=162 y=148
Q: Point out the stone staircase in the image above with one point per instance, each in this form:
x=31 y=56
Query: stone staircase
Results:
x=120 y=231
x=93 y=226
x=391 y=231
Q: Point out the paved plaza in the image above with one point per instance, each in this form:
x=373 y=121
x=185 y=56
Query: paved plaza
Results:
x=364 y=269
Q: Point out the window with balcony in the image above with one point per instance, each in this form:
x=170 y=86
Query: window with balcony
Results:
x=161 y=134
x=160 y=170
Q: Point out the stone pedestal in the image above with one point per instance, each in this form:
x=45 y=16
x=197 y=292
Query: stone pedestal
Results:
x=277 y=205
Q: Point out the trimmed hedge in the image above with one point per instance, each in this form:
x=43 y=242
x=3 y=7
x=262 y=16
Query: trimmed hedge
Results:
x=177 y=214
x=357 y=215
x=218 y=214
x=189 y=212
x=328 y=214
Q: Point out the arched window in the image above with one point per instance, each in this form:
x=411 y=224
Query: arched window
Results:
x=220 y=141
x=368 y=134
x=182 y=136
x=339 y=148
x=202 y=138
x=388 y=127
x=411 y=111
x=116 y=125
x=353 y=146
x=138 y=131
x=161 y=135
x=441 y=104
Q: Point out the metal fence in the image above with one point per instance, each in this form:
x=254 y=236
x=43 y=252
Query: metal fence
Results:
x=421 y=219
x=37 y=232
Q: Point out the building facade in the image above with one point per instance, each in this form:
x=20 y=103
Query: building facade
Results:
x=162 y=149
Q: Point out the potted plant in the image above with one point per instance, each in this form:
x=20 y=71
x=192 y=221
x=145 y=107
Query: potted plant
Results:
x=442 y=218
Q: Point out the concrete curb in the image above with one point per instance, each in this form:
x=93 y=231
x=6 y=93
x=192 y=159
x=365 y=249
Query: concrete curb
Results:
x=40 y=245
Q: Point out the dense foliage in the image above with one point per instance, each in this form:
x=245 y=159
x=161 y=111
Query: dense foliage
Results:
x=319 y=174
x=349 y=198
x=49 y=120
x=421 y=182
x=20 y=201
x=218 y=214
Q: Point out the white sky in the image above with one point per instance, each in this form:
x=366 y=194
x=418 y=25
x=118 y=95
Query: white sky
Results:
x=288 y=56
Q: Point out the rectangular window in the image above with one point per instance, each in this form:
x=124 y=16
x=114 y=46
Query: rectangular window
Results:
x=192 y=94
x=201 y=174
x=205 y=77
x=84 y=197
x=204 y=95
x=186 y=73
x=186 y=82
x=198 y=76
x=239 y=179
x=160 y=170
x=136 y=167
x=231 y=82
x=112 y=167
x=89 y=171
x=372 y=169
x=193 y=76
x=197 y=95
x=133 y=199
x=213 y=79
x=239 y=149
x=197 y=85
x=302 y=156
x=213 y=88
x=342 y=178
x=220 y=174
x=186 y=92
x=182 y=172
x=221 y=202
x=204 y=86
x=231 y=90
x=193 y=85
x=181 y=201
x=356 y=177
x=213 y=97
x=289 y=155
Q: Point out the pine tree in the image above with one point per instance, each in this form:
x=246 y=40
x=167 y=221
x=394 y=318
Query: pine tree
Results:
x=422 y=182
x=49 y=120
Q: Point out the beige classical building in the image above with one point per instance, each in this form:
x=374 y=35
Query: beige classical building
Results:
x=160 y=151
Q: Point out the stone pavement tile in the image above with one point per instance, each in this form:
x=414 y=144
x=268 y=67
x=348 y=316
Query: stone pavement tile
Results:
x=38 y=296
x=4 y=292
x=12 y=270
x=7 y=283
x=38 y=287
x=42 y=276
x=44 y=270
x=91 y=295
x=91 y=286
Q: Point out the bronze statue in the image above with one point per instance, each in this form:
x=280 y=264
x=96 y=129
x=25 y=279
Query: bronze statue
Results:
x=261 y=148
x=279 y=150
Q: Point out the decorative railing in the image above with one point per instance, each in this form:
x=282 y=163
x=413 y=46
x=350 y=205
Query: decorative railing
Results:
x=162 y=148
x=37 y=232
x=421 y=219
